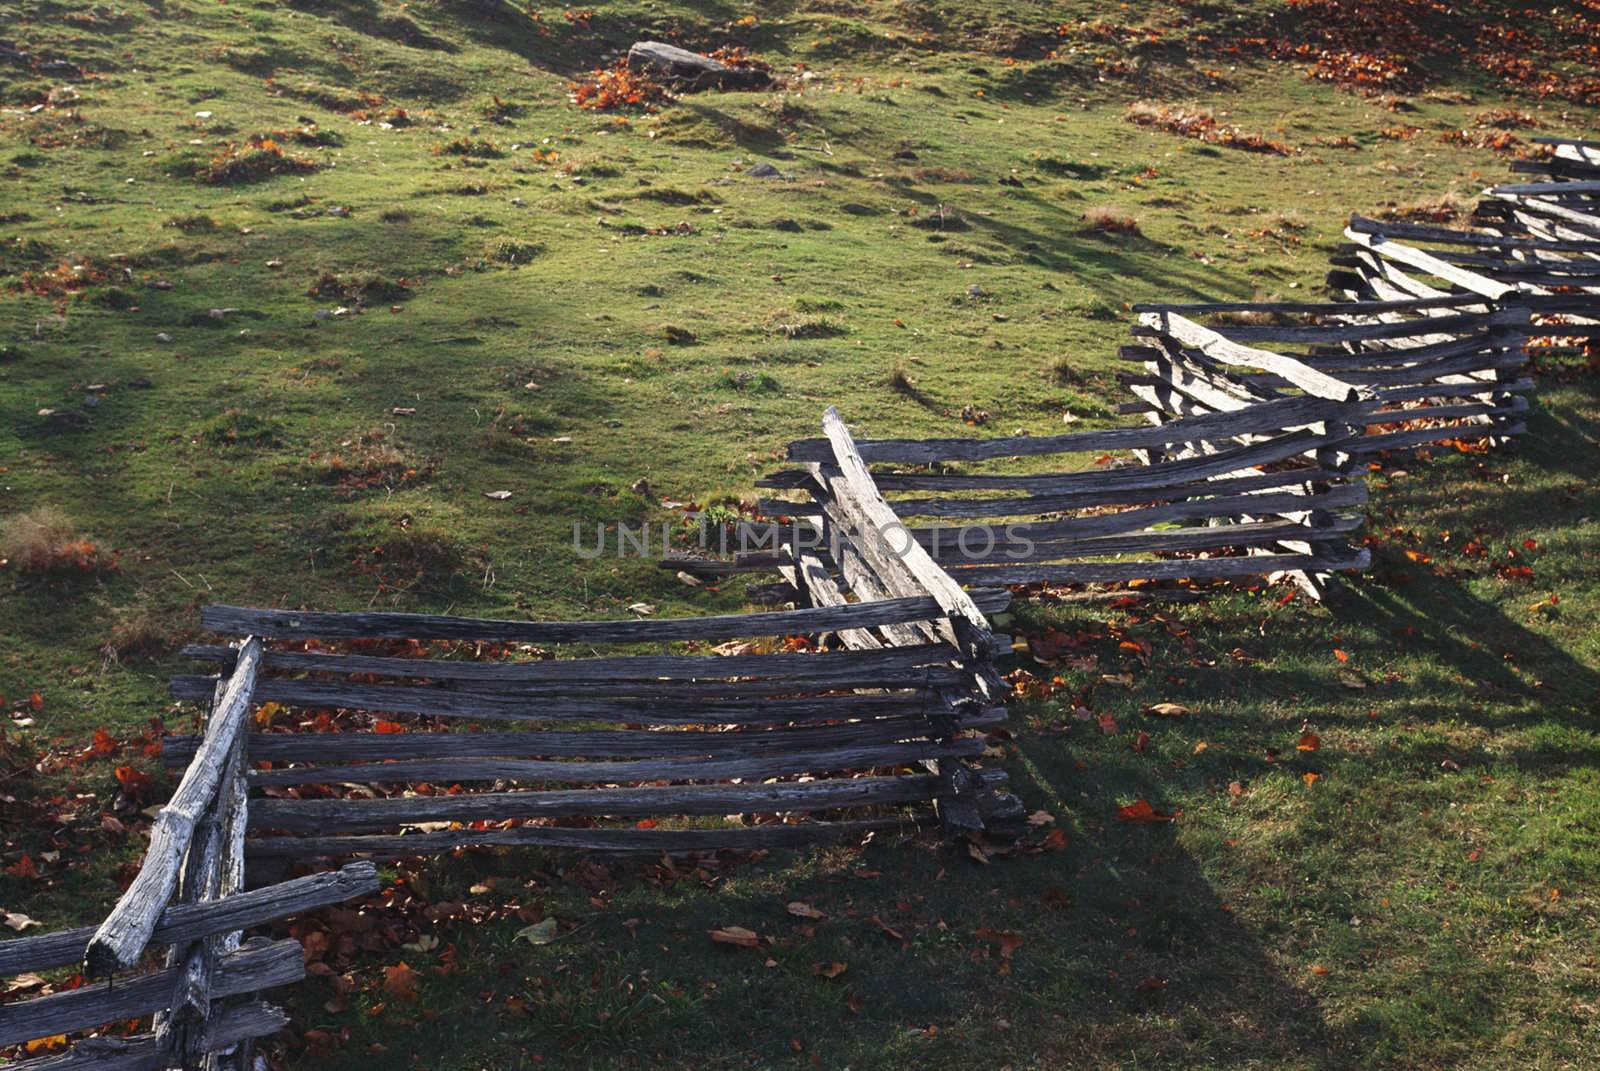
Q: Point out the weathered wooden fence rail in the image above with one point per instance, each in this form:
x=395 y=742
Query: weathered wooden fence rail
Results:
x=1260 y=414
x=188 y=900
x=1430 y=369
x=1245 y=490
x=811 y=744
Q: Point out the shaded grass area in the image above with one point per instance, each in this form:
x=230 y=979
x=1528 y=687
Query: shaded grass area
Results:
x=606 y=301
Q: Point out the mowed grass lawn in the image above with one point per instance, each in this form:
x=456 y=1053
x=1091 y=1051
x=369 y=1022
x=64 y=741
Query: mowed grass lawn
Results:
x=296 y=387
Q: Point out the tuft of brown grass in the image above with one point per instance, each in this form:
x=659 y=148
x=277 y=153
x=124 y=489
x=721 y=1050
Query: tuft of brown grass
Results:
x=900 y=380
x=1445 y=209
x=46 y=542
x=258 y=158
x=1505 y=119
x=363 y=460
x=1110 y=220
x=1201 y=124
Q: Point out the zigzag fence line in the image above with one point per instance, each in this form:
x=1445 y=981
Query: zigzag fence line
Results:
x=1260 y=416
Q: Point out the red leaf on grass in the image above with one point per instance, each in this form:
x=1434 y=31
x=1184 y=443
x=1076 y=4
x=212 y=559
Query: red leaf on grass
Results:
x=1141 y=812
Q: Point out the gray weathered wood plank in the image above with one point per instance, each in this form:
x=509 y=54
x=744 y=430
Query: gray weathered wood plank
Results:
x=244 y=971
x=182 y=923
x=121 y=939
x=237 y=620
x=651 y=842
x=345 y=815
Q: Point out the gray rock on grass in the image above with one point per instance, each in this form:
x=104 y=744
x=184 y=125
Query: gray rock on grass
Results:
x=685 y=70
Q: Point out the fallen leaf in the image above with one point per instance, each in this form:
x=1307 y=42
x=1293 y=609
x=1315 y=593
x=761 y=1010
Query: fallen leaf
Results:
x=540 y=933
x=18 y=921
x=1041 y=818
x=1311 y=778
x=888 y=931
x=400 y=981
x=1167 y=710
x=24 y=983
x=498 y=496
x=1009 y=942
x=736 y=935
x=1141 y=812
x=802 y=910
x=1309 y=742
x=53 y=1043
x=1340 y=655
x=829 y=970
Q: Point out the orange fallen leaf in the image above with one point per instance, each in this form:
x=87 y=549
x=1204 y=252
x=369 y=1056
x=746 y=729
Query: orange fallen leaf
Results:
x=133 y=780
x=1309 y=742
x=39 y=1046
x=1340 y=655
x=1319 y=969
x=400 y=981
x=35 y=702
x=1009 y=942
x=829 y=970
x=1311 y=778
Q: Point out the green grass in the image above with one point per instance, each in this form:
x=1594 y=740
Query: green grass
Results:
x=606 y=301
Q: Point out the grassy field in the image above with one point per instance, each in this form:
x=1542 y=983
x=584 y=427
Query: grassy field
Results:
x=288 y=376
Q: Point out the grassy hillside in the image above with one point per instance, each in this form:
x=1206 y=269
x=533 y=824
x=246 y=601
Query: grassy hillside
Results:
x=286 y=288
